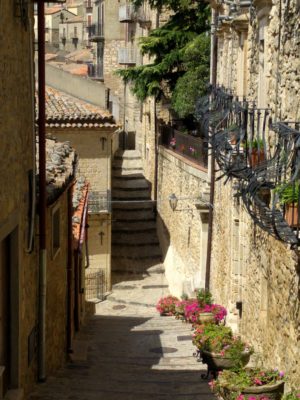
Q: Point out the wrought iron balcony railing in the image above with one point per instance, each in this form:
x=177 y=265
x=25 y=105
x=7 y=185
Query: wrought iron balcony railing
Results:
x=126 y=13
x=95 y=32
x=192 y=147
x=127 y=55
x=99 y=202
x=95 y=71
x=265 y=158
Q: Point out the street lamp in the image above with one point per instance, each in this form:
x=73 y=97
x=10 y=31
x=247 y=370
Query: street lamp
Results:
x=173 y=201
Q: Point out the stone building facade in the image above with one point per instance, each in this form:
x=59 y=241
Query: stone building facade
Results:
x=253 y=273
x=93 y=133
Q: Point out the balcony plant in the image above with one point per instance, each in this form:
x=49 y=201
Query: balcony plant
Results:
x=289 y=196
x=166 y=305
x=249 y=384
x=220 y=349
x=256 y=151
x=208 y=313
x=172 y=143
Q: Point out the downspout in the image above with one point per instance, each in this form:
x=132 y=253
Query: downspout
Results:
x=69 y=270
x=156 y=156
x=33 y=174
x=42 y=195
x=213 y=80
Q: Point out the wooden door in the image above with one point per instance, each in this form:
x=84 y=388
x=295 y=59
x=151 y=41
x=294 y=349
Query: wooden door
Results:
x=5 y=312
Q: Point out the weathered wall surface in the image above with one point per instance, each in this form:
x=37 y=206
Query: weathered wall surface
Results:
x=16 y=157
x=183 y=232
x=248 y=265
x=56 y=306
x=82 y=88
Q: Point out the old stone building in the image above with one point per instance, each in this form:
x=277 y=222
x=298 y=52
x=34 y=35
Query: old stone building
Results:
x=255 y=125
x=94 y=134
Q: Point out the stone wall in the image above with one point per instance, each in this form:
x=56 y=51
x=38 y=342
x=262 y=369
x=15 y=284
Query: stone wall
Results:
x=248 y=265
x=16 y=158
x=56 y=296
x=183 y=232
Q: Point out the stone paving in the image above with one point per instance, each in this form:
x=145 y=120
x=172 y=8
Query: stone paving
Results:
x=128 y=352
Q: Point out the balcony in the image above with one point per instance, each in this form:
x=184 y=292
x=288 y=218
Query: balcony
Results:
x=127 y=56
x=95 y=71
x=88 y=5
x=143 y=18
x=263 y=158
x=95 y=32
x=187 y=145
x=126 y=13
x=99 y=202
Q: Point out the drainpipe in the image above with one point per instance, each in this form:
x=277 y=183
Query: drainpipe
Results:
x=213 y=80
x=156 y=156
x=33 y=174
x=42 y=195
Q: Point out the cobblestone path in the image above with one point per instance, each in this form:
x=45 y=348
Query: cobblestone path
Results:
x=128 y=352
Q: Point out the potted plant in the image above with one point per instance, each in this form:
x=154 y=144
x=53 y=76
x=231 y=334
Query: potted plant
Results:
x=288 y=197
x=220 y=349
x=197 y=314
x=249 y=384
x=256 y=152
x=172 y=143
x=166 y=305
x=205 y=300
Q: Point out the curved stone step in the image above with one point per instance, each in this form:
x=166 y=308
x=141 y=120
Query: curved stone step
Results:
x=131 y=184
x=130 y=194
x=145 y=214
x=135 y=238
x=136 y=252
x=133 y=227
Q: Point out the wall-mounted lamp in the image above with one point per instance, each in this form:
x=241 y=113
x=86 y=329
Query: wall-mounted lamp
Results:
x=173 y=201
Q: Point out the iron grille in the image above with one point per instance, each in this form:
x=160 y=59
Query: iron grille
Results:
x=95 y=285
x=99 y=202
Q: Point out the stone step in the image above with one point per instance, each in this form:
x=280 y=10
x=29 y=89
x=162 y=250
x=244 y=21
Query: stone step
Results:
x=136 y=252
x=125 y=164
x=133 y=265
x=133 y=194
x=132 y=207
x=127 y=154
x=118 y=173
x=130 y=184
x=134 y=238
x=146 y=214
x=118 y=226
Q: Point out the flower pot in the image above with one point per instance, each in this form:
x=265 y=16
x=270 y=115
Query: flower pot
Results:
x=165 y=314
x=217 y=362
x=206 y=318
x=255 y=158
x=179 y=310
x=272 y=392
x=291 y=214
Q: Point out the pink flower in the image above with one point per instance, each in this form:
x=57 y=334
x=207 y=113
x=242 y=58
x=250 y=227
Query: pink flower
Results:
x=252 y=398
x=240 y=397
x=257 y=382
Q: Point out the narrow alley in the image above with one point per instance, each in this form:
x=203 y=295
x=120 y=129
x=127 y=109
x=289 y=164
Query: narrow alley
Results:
x=127 y=351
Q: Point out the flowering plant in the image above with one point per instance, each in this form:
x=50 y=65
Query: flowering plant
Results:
x=194 y=309
x=166 y=305
x=235 y=382
x=173 y=142
x=294 y=395
x=220 y=340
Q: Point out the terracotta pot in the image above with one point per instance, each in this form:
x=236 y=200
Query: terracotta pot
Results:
x=206 y=318
x=216 y=362
x=291 y=214
x=255 y=158
x=273 y=392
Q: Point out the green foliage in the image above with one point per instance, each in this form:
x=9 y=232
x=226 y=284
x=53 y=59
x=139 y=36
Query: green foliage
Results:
x=179 y=52
x=204 y=297
x=294 y=395
x=288 y=193
x=256 y=144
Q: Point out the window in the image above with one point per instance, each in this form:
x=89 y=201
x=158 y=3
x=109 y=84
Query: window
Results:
x=262 y=69
x=55 y=231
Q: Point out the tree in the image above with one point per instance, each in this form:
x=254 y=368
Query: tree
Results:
x=180 y=53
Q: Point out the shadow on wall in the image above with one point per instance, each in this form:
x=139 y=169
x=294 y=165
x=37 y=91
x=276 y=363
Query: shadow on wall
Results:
x=126 y=360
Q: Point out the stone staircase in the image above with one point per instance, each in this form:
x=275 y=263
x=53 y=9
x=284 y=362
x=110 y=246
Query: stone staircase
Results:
x=135 y=245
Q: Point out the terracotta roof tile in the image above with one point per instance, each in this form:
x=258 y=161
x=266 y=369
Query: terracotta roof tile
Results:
x=65 y=111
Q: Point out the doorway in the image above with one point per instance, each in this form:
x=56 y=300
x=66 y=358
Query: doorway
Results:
x=9 y=312
x=5 y=349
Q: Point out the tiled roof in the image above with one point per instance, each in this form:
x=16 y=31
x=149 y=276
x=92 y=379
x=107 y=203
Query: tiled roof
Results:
x=52 y=10
x=60 y=167
x=79 y=203
x=65 y=111
x=78 y=18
